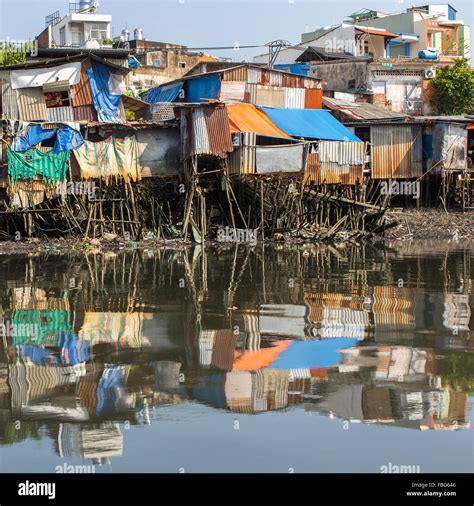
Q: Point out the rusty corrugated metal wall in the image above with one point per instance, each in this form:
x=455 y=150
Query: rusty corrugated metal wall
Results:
x=208 y=130
x=336 y=162
x=237 y=74
x=218 y=130
x=81 y=92
x=32 y=104
x=85 y=113
x=10 y=108
x=396 y=151
x=313 y=98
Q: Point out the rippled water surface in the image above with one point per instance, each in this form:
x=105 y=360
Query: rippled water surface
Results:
x=238 y=359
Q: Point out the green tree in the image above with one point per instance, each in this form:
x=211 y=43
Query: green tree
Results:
x=454 y=88
x=11 y=54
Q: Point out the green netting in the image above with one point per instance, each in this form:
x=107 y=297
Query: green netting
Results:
x=30 y=163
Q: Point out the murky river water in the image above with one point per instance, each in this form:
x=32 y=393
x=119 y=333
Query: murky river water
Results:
x=312 y=359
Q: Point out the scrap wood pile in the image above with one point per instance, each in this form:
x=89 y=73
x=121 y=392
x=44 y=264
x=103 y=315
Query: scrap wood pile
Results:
x=283 y=207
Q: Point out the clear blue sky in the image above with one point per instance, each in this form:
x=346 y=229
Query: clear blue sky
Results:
x=198 y=23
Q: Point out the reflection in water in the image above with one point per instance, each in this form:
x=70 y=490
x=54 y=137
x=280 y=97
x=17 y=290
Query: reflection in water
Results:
x=94 y=343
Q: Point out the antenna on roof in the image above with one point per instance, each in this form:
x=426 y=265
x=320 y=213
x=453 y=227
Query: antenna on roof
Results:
x=274 y=48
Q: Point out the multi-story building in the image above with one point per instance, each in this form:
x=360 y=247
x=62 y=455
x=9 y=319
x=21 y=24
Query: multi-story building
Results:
x=83 y=26
x=427 y=27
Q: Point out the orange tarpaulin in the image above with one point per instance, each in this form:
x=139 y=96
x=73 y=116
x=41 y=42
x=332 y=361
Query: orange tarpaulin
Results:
x=247 y=118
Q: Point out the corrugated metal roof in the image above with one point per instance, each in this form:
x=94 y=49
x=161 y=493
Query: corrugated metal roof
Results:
x=135 y=105
x=32 y=104
x=356 y=111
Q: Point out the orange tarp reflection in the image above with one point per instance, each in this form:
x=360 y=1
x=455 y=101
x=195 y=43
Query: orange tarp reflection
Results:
x=253 y=360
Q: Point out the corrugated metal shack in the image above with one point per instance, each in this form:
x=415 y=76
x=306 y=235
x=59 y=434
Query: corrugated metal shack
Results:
x=63 y=90
x=313 y=142
x=395 y=139
x=243 y=83
x=445 y=141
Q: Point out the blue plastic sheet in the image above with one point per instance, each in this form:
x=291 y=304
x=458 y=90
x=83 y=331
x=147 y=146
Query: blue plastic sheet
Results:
x=67 y=139
x=301 y=69
x=106 y=104
x=107 y=390
x=309 y=124
x=312 y=354
x=133 y=63
x=203 y=89
x=166 y=93
x=73 y=350
x=37 y=354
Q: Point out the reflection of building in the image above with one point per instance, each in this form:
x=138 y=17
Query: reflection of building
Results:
x=99 y=441
x=337 y=315
x=120 y=329
x=417 y=408
x=216 y=348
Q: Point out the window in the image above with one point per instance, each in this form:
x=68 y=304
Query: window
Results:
x=157 y=63
x=57 y=99
x=62 y=36
x=57 y=94
x=76 y=34
x=98 y=31
x=181 y=65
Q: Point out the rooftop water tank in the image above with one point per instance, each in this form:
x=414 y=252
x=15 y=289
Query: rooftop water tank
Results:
x=85 y=5
x=126 y=35
x=138 y=34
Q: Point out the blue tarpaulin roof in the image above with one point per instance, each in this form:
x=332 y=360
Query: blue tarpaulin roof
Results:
x=312 y=354
x=203 y=89
x=166 y=93
x=310 y=124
